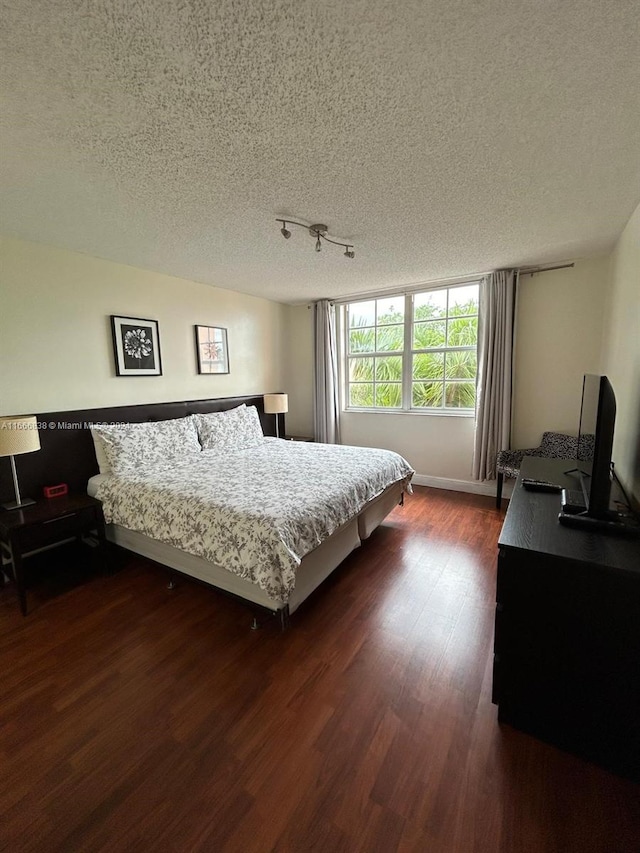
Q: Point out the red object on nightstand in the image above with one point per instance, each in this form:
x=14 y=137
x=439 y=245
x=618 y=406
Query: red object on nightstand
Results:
x=55 y=491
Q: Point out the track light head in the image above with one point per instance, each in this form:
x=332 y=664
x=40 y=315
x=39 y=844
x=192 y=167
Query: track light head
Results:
x=318 y=243
x=286 y=234
x=349 y=253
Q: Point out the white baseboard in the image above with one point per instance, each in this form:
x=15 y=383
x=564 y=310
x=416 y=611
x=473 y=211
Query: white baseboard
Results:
x=474 y=487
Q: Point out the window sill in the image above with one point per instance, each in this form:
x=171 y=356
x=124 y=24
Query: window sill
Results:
x=439 y=413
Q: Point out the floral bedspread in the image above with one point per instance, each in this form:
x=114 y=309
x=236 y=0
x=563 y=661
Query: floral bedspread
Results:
x=255 y=511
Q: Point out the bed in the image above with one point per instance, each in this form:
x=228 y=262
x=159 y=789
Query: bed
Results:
x=317 y=502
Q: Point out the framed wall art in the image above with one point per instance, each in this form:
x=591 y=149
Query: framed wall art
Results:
x=136 y=346
x=212 y=349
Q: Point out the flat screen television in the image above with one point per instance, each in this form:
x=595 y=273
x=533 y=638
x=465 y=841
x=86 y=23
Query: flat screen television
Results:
x=595 y=441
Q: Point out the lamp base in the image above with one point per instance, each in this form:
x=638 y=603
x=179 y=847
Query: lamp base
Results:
x=15 y=505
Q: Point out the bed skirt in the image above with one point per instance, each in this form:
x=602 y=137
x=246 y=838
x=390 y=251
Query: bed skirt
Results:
x=314 y=568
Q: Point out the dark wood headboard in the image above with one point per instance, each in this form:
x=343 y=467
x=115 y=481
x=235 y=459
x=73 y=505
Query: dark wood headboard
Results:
x=67 y=454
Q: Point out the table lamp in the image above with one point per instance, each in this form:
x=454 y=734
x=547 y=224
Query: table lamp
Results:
x=276 y=404
x=18 y=435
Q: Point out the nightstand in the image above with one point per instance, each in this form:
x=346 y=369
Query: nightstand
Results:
x=48 y=522
x=300 y=438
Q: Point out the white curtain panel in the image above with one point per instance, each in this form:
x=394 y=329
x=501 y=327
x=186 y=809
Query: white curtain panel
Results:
x=495 y=358
x=326 y=406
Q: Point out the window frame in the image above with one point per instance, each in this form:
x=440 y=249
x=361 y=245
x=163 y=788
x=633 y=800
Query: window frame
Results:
x=406 y=354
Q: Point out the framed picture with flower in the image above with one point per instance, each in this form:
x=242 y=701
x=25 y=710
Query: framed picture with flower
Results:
x=136 y=346
x=212 y=349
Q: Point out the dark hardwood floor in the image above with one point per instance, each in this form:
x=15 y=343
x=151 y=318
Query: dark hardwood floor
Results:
x=138 y=719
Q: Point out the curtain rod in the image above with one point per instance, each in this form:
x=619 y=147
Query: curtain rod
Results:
x=536 y=270
x=457 y=279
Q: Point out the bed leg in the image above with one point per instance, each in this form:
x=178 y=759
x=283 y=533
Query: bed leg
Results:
x=255 y=624
x=401 y=501
x=172 y=581
x=285 y=620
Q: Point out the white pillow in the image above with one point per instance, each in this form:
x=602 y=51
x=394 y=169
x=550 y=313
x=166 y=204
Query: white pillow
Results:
x=101 y=454
x=231 y=430
x=129 y=447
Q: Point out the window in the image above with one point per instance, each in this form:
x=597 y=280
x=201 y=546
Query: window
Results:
x=375 y=346
x=413 y=351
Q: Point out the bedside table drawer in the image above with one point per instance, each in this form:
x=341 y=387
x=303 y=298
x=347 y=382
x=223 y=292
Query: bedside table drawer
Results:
x=53 y=530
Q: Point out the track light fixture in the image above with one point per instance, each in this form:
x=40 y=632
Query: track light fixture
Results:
x=319 y=232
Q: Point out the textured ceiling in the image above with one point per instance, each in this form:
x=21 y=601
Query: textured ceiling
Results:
x=441 y=137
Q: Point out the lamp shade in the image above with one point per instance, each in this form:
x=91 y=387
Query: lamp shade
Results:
x=19 y=435
x=275 y=404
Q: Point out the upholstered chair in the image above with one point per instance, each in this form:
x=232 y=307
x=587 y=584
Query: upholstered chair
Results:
x=554 y=445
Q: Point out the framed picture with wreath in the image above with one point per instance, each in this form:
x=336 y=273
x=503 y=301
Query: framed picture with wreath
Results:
x=136 y=346
x=212 y=349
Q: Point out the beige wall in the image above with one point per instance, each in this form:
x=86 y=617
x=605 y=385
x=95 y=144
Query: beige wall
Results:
x=56 y=351
x=621 y=352
x=558 y=333
x=438 y=447
x=560 y=325
x=559 y=330
x=55 y=337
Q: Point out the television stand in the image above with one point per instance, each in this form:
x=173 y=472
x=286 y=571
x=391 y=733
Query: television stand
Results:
x=567 y=628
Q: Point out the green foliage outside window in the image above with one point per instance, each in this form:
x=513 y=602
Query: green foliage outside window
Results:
x=441 y=377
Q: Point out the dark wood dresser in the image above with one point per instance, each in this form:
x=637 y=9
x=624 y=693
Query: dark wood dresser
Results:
x=567 y=629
